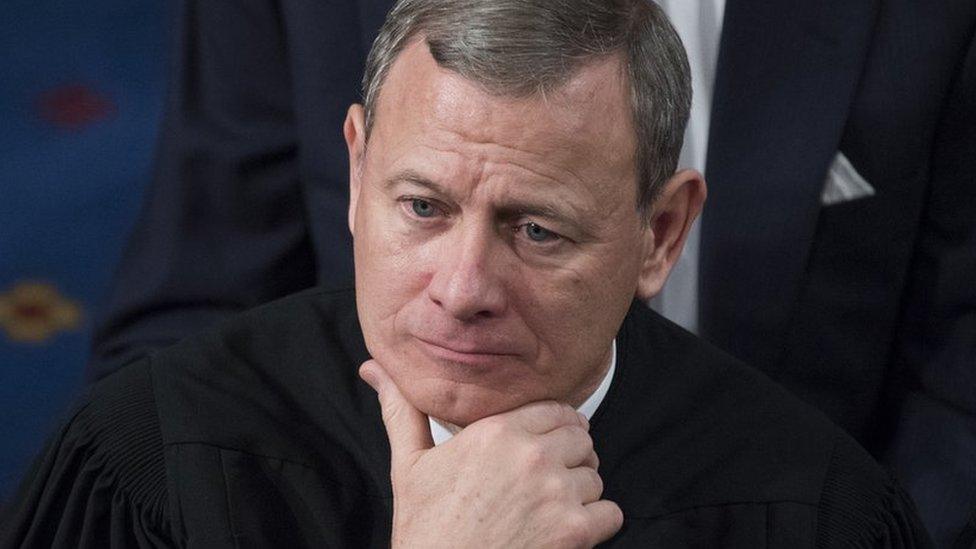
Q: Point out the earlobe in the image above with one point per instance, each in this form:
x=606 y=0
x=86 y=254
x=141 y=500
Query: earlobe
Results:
x=675 y=211
x=354 y=130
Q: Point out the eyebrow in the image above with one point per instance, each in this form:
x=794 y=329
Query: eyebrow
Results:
x=510 y=210
x=410 y=176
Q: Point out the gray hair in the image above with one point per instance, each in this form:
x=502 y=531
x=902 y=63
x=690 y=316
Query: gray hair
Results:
x=518 y=48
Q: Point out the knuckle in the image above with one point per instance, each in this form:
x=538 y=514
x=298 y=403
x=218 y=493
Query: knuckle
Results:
x=535 y=457
x=554 y=407
x=584 y=438
x=493 y=428
x=597 y=482
x=571 y=416
x=555 y=487
x=575 y=530
x=560 y=411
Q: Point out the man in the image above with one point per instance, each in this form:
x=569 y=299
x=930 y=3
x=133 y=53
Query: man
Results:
x=858 y=302
x=513 y=190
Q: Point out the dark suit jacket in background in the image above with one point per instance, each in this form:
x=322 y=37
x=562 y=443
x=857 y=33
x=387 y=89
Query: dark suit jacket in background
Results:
x=866 y=309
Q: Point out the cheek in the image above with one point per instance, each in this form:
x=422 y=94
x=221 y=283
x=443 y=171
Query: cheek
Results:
x=555 y=306
x=576 y=312
x=386 y=251
x=390 y=273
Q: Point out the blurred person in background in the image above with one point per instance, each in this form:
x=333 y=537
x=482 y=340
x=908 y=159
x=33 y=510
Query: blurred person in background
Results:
x=837 y=252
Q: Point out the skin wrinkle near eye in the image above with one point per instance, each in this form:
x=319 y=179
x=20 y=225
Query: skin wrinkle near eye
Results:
x=579 y=222
x=551 y=238
x=551 y=263
x=556 y=264
x=598 y=190
x=552 y=246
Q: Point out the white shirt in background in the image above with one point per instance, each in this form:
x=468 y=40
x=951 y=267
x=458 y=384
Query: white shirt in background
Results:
x=699 y=23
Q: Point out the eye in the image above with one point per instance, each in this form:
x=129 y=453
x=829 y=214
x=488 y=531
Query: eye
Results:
x=538 y=233
x=423 y=208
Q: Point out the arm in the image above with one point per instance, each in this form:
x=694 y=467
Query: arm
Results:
x=223 y=227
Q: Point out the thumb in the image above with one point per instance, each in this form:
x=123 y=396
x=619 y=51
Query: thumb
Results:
x=407 y=427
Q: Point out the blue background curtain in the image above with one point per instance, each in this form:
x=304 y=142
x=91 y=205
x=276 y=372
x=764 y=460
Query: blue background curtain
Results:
x=81 y=93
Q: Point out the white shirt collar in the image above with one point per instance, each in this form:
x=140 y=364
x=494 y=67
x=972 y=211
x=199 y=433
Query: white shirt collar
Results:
x=442 y=431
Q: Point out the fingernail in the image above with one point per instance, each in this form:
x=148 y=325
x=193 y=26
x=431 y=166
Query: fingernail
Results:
x=583 y=421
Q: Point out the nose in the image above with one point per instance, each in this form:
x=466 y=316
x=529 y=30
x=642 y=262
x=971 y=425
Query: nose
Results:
x=467 y=283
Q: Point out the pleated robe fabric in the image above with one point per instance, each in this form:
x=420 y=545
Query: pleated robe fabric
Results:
x=259 y=433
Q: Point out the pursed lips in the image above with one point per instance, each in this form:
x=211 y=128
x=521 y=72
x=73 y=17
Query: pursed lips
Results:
x=465 y=352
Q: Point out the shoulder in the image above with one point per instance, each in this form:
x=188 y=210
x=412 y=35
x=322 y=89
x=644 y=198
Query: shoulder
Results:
x=702 y=430
x=102 y=476
x=274 y=341
x=726 y=431
x=278 y=381
x=862 y=502
x=117 y=427
x=722 y=432
x=276 y=326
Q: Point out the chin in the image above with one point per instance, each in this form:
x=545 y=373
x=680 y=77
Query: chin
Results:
x=452 y=392
x=460 y=406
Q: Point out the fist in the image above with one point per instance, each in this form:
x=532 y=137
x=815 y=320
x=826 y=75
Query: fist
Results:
x=523 y=478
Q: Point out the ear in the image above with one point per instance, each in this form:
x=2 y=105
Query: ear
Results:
x=354 y=130
x=675 y=210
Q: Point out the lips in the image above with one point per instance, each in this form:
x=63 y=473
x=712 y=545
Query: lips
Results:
x=465 y=352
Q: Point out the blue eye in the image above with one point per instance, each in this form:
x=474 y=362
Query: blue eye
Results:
x=423 y=208
x=537 y=233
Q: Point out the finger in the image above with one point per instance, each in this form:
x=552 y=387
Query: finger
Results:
x=586 y=484
x=605 y=518
x=543 y=416
x=573 y=445
x=407 y=428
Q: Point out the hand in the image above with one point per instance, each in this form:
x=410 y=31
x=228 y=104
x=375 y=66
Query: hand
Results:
x=523 y=478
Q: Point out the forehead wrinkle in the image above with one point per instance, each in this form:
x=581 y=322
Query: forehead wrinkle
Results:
x=561 y=177
x=592 y=204
x=539 y=193
x=541 y=138
x=531 y=196
x=565 y=169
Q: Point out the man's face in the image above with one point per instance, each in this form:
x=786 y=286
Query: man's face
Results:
x=497 y=242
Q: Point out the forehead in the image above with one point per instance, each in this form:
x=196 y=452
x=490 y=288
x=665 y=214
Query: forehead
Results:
x=583 y=127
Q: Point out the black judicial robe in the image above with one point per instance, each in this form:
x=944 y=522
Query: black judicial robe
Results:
x=261 y=434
